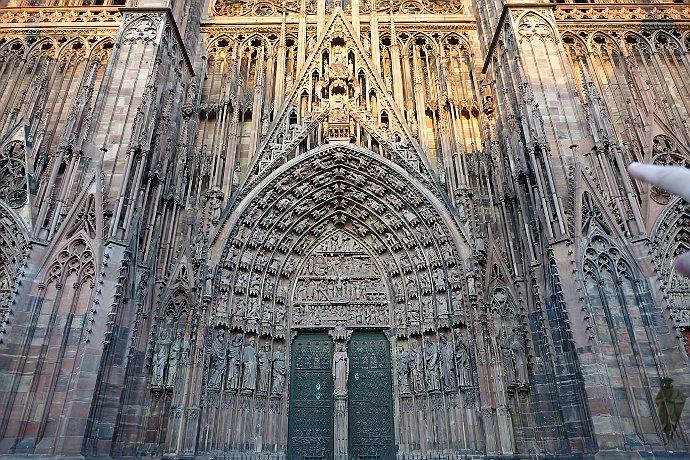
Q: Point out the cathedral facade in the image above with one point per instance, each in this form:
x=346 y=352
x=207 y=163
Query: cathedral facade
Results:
x=341 y=229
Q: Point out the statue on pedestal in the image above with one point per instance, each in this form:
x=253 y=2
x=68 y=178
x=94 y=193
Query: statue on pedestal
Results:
x=234 y=357
x=431 y=362
x=218 y=361
x=249 y=363
x=160 y=359
x=341 y=370
x=279 y=370
x=403 y=371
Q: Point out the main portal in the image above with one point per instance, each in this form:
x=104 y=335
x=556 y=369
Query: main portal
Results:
x=341 y=403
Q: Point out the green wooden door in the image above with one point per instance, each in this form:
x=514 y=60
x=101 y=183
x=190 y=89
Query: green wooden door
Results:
x=370 y=398
x=310 y=423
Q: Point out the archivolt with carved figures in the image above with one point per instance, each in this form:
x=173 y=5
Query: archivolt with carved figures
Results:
x=337 y=237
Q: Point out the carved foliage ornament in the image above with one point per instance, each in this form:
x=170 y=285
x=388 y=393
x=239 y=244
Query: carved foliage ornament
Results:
x=13 y=175
x=254 y=7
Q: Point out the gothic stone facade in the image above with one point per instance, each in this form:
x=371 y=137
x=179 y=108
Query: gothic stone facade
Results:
x=340 y=229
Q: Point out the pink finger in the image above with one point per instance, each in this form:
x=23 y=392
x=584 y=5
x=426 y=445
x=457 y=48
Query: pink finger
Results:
x=673 y=179
x=683 y=264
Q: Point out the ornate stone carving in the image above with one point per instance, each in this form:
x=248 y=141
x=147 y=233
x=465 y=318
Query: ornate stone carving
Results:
x=340 y=284
x=532 y=25
x=249 y=366
x=279 y=371
x=13 y=182
x=218 y=361
x=515 y=358
x=235 y=362
x=160 y=359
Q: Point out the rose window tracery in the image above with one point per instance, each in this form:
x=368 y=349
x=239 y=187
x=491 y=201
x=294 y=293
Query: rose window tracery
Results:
x=666 y=153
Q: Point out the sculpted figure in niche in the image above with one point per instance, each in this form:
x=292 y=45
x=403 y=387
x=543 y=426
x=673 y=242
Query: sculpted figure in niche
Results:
x=431 y=361
x=416 y=367
x=341 y=370
x=403 y=370
x=279 y=369
x=252 y=310
x=249 y=363
x=218 y=361
x=216 y=209
x=515 y=358
x=174 y=359
x=263 y=356
x=462 y=360
x=318 y=89
x=447 y=365
x=234 y=356
x=160 y=359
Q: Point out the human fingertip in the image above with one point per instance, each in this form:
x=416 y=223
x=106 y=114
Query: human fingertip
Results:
x=634 y=165
x=682 y=265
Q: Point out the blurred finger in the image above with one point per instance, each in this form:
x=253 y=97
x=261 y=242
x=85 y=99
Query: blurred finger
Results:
x=683 y=264
x=673 y=179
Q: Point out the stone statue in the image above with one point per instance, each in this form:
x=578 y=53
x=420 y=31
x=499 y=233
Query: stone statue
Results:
x=318 y=89
x=341 y=370
x=431 y=364
x=160 y=359
x=216 y=210
x=279 y=369
x=199 y=246
x=447 y=364
x=249 y=364
x=264 y=125
x=235 y=364
x=174 y=359
x=515 y=358
x=190 y=99
x=416 y=367
x=403 y=371
x=218 y=361
x=236 y=174
x=462 y=360
x=263 y=356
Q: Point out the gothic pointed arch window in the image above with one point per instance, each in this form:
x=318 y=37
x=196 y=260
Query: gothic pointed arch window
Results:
x=625 y=324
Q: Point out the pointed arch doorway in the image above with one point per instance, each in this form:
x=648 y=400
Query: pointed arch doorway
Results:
x=340 y=403
x=287 y=255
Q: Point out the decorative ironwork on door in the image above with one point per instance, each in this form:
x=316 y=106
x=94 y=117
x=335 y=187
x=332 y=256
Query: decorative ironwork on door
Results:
x=310 y=426
x=370 y=396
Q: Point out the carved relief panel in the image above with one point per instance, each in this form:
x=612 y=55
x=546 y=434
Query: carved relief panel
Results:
x=340 y=283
